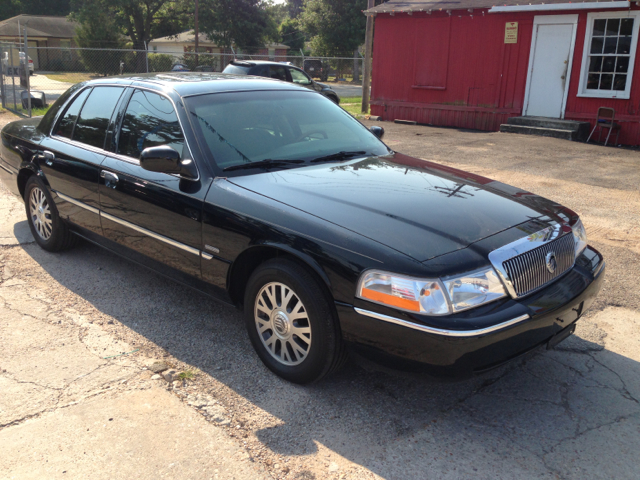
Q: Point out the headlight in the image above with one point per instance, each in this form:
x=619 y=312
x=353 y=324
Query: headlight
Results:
x=580 y=236
x=431 y=296
x=404 y=293
x=473 y=289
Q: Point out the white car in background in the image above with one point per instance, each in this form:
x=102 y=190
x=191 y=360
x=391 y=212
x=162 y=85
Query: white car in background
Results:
x=17 y=61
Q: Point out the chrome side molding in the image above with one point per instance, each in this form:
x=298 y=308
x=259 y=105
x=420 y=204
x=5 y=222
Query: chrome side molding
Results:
x=151 y=234
x=439 y=331
x=135 y=227
x=212 y=249
x=78 y=203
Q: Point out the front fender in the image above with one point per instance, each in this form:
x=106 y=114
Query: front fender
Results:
x=303 y=257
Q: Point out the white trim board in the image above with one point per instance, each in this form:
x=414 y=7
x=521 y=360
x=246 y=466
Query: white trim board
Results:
x=559 y=6
x=551 y=20
x=620 y=94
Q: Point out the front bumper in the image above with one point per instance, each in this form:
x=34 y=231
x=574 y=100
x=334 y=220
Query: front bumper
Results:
x=477 y=339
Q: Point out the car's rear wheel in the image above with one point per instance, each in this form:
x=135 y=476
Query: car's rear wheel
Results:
x=48 y=229
x=291 y=322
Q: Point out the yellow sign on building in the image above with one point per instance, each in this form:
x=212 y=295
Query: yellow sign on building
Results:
x=511 y=32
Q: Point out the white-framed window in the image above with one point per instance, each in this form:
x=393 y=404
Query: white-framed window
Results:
x=609 y=54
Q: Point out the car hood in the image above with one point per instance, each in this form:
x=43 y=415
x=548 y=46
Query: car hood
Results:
x=416 y=207
x=324 y=86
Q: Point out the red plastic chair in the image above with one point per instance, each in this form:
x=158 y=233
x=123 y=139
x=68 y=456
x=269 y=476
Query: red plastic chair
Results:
x=605 y=119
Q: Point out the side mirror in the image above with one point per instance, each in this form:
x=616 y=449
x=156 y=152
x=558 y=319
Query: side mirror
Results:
x=377 y=131
x=165 y=159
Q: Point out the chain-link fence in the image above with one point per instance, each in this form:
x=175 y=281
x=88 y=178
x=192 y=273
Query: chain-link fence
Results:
x=51 y=71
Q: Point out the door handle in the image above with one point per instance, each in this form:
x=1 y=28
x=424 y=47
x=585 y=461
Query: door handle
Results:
x=110 y=178
x=49 y=157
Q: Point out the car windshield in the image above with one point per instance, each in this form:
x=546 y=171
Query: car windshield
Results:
x=243 y=127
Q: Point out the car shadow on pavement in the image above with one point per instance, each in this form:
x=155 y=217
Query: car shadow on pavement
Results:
x=555 y=413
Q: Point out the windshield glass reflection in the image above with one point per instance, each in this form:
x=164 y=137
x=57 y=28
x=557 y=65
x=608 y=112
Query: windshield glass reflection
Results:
x=248 y=127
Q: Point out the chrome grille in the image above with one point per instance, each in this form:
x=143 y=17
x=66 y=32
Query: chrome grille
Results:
x=528 y=272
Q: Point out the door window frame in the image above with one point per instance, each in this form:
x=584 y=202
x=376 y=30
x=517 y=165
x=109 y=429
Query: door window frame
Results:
x=584 y=69
x=63 y=111
x=290 y=69
x=186 y=154
x=551 y=20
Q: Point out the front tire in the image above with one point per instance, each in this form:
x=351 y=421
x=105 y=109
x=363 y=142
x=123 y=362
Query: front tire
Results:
x=48 y=229
x=291 y=322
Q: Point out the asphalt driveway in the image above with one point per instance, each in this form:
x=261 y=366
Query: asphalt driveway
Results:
x=572 y=412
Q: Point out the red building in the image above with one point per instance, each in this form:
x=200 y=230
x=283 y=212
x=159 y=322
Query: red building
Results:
x=475 y=63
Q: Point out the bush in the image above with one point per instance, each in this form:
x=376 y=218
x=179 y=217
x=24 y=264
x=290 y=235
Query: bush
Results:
x=189 y=59
x=160 y=62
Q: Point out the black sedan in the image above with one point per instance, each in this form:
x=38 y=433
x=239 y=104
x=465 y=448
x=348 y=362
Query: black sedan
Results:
x=271 y=198
x=280 y=71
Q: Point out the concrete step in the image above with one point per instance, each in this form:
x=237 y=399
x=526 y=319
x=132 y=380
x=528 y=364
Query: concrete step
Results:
x=541 y=131
x=581 y=129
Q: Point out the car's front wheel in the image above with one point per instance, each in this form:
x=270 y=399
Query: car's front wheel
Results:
x=291 y=323
x=48 y=229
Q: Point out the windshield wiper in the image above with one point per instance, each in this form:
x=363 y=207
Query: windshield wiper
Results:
x=262 y=163
x=339 y=156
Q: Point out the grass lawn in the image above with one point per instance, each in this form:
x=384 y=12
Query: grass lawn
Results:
x=71 y=77
x=352 y=105
x=35 y=112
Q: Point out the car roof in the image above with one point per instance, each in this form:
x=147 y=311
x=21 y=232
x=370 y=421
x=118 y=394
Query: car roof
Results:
x=197 y=83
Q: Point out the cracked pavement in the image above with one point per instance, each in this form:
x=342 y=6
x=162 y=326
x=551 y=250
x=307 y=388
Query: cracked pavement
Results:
x=572 y=412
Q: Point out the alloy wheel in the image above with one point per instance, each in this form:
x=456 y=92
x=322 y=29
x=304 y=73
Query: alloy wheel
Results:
x=40 y=213
x=282 y=323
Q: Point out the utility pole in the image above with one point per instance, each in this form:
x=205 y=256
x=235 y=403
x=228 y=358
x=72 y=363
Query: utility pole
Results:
x=368 y=45
x=197 y=32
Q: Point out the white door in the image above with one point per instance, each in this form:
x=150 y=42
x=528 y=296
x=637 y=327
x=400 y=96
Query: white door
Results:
x=550 y=66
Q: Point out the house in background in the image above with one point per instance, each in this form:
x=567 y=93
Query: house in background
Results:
x=178 y=45
x=42 y=31
x=471 y=64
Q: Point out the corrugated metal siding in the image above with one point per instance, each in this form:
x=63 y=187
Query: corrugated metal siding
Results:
x=486 y=78
x=586 y=109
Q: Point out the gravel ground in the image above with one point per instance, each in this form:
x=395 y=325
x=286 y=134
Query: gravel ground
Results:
x=573 y=412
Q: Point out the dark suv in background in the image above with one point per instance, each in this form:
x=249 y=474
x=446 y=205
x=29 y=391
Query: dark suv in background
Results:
x=315 y=68
x=280 y=71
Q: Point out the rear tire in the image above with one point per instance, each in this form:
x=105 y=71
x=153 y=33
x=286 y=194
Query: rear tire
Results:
x=48 y=229
x=291 y=322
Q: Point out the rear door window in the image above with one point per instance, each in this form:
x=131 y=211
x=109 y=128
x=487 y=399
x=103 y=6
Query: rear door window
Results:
x=150 y=121
x=91 y=126
x=278 y=72
x=68 y=120
x=260 y=71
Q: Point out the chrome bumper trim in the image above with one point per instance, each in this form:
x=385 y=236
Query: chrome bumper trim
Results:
x=438 y=331
x=151 y=234
x=78 y=203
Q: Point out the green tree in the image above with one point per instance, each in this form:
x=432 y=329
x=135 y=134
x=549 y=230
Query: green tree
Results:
x=140 y=20
x=11 y=8
x=97 y=30
x=278 y=11
x=291 y=34
x=295 y=7
x=244 y=23
x=335 y=27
